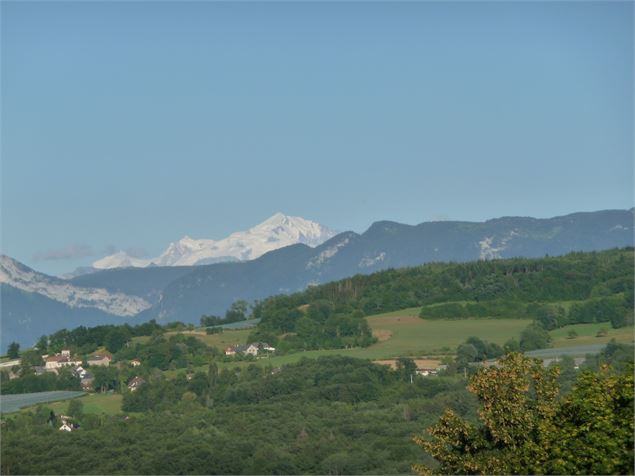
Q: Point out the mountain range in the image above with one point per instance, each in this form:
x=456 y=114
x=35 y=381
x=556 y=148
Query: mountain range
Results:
x=34 y=304
x=276 y=232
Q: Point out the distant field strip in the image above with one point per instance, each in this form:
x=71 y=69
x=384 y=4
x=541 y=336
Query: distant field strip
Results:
x=587 y=334
x=12 y=403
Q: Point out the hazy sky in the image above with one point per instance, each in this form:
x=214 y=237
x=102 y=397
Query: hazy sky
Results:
x=131 y=124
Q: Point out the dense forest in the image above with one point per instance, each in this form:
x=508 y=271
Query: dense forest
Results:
x=332 y=415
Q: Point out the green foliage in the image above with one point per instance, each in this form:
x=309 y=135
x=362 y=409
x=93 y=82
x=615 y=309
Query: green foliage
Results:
x=237 y=312
x=42 y=344
x=116 y=338
x=618 y=356
x=526 y=429
x=614 y=309
x=85 y=340
x=13 y=352
x=28 y=382
x=28 y=360
x=406 y=368
x=75 y=408
x=176 y=352
x=534 y=337
x=106 y=378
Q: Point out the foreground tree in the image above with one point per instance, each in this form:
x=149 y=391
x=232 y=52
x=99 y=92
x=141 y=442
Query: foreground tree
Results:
x=527 y=429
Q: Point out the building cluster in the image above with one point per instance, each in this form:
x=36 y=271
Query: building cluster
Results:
x=254 y=349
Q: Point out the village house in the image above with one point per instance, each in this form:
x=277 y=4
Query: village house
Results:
x=54 y=362
x=425 y=372
x=135 y=383
x=67 y=425
x=102 y=359
x=87 y=381
x=135 y=363
x=251 y=349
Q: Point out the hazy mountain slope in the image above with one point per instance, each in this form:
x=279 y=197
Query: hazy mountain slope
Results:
x=147 y=283
x=33 y=304
x=19 y=276
x=211 y=289
x=26 y=316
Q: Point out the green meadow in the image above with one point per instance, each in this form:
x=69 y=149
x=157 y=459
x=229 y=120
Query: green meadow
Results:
x=97 y=403
x=587 y=334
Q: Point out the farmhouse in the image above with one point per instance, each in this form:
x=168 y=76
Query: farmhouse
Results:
x=66 y=426
x=102 y=359
x=61 y=360
x=251 y=349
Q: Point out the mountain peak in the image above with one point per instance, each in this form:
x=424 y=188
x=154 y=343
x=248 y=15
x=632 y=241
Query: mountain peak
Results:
x=277 y=231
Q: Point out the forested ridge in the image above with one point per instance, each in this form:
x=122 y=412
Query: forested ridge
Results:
x=331 y=315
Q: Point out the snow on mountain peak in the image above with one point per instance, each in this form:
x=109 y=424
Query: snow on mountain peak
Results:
x=277 y=231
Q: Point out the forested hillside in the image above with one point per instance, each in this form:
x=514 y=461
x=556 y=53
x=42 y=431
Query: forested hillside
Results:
x=331 y=315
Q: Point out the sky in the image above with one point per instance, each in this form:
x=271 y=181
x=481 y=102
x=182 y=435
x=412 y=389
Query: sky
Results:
x=127 y=125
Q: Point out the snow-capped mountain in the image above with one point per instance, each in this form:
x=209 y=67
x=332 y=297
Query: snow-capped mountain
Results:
x=19 y=276
x=276 y=232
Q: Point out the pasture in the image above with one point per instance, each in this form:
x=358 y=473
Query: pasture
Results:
x=587 y=335
x=226 y=338
x=97 y=403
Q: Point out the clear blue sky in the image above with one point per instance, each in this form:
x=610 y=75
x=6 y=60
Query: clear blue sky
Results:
x=131 y=124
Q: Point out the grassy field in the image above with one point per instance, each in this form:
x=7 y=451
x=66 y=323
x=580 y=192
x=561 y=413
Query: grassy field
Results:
x=97 y=403
x=222 y=340
x=400 y=333
x=587 y=334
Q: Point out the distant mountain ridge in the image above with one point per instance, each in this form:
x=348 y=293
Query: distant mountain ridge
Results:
x=186 y=292
x=276 y=232
x=34 y=304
